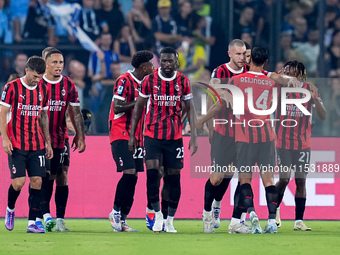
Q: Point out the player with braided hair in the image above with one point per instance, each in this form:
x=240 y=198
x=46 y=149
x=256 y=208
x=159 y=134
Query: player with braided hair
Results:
x=293 y=142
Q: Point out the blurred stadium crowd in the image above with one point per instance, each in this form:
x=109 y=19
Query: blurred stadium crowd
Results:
x=122 y=27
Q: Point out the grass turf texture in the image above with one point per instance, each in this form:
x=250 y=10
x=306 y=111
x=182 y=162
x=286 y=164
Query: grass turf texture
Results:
x=92 y=236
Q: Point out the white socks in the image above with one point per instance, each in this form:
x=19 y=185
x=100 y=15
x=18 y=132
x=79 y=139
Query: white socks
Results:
x=234 y=221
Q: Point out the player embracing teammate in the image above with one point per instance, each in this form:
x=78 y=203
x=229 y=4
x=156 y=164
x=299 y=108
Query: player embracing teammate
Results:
x=255 y=141
x=293 y=143
x=222 y=139
x=255 y=138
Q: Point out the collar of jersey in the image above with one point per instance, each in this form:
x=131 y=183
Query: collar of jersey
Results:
x=25 y=85
x=164 y=78
x=256 y=73
x=134 y=77
x=53 y=82
x=232 y=70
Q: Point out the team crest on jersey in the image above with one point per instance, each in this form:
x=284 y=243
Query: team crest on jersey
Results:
x=40 y=96
x=177 y=87
x=14 y=170
x=3 y=95
x=63 y=92
x=120 y=89
x=121 y=163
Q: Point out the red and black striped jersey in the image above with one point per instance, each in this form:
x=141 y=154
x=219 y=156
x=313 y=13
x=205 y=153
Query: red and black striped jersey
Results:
x=296 y=137
x=250 y=127
x=126 y=88
x=26 y=104
x=224 y=73
x=164 y=110
x=61 y=94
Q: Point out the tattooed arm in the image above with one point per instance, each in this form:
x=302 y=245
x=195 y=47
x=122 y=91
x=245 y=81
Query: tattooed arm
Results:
x=77 y=122
x=44 y=122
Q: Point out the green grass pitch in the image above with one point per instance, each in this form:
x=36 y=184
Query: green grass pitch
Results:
x=91 y=236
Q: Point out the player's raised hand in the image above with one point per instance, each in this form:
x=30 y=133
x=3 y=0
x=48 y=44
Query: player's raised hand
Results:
x=293 y=82
x=313 y=90
x=49 y=151
x=7 y=146
x=132 y=144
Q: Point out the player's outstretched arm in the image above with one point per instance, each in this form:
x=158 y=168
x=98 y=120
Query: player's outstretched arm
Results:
x=215 y=108
x=284 y=80
x=120 y=106
x=6 y=143
x=319 y=107
x=136 y=116
x=210 y=103
x=222 y=93
x=44 y=125
x=77 y=122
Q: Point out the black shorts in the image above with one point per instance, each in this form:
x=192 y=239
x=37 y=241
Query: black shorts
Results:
x=170 y=153
x=223 y=150
x=248 y=154
x=297 y=160
x=126 y=159
x=66 y=155
x=54 y=165
x=33 y=161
